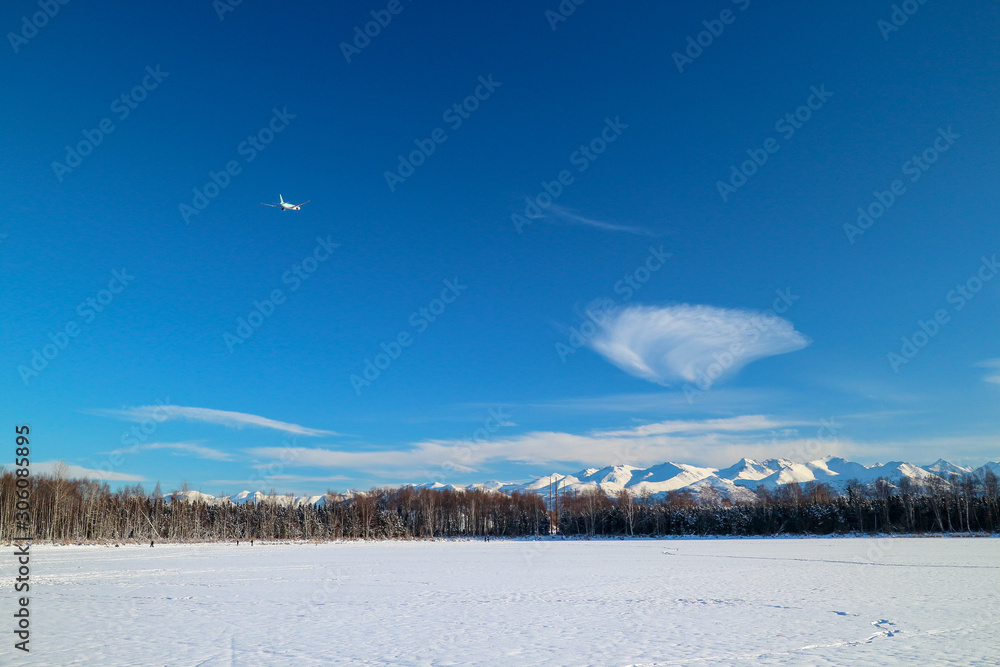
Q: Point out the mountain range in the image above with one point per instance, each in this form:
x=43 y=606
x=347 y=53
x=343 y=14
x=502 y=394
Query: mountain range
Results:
x=738 y=482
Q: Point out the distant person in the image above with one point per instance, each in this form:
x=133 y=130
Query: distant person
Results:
x=151 y=543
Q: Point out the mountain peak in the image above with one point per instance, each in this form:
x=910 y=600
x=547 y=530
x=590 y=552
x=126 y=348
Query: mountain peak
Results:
x=942 y=467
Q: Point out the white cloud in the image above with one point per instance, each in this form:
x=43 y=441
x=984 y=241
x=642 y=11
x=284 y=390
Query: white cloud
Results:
x=256 y=482
x=744 y=423
x=710 y=442
x=690 y=342
x=79 y=472
x=194 y=448
x=161 y=413
x=994 y=375
x=723 y=399
x=574 y=218
x=962 y=449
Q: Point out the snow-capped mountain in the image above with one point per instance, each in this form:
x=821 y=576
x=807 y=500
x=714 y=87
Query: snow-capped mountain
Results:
x=830 y=470
x=737 y=482
x=747 y=469
x=945 y=469
x=993 y=467
x=245 y=497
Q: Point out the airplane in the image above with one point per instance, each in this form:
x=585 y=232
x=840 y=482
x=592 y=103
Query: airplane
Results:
x=285 y=206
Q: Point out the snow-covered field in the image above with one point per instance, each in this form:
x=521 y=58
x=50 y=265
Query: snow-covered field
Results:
x=650 y=602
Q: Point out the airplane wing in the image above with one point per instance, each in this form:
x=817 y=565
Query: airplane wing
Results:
x=274 y=205
x=304 y=203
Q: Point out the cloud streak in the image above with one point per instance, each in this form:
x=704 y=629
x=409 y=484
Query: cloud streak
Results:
x=161 y=413
x=71 y=471
x=714 y=442
x=688 y=342
x=574 y=218
x=283 y=479
x=192 y=448
x=729 y=424
x=994 y=375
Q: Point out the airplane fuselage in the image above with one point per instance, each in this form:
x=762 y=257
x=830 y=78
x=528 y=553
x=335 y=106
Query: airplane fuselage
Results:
x=286 y=206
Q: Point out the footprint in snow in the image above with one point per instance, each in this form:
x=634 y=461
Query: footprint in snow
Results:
x=885 y=631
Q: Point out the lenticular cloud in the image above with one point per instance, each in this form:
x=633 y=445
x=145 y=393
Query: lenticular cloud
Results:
x=691 y=343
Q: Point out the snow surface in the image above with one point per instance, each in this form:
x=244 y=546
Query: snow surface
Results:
x=843 y=601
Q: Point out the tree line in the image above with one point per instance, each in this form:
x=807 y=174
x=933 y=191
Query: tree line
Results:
x=969 y=504
x=72 y=510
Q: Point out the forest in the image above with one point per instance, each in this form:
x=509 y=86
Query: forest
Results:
x=52 y=508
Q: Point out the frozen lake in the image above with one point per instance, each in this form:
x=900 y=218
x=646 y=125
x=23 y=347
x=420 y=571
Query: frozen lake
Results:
x=644 y=602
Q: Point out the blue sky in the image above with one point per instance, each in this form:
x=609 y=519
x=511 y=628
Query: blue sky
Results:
x=588 y=268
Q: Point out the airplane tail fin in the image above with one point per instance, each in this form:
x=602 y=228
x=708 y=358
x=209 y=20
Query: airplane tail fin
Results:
x=281 y=199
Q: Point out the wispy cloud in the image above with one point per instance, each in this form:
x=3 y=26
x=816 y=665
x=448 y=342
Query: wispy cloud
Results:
x=71 y=471
x=161 y=413
x=710 y=442
x=573 y=218
x=725 y=400
x=685 y=342
x=994 y=374
x=971 y=450
x=729 y=424
x=275 y=479
x=192 y=448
